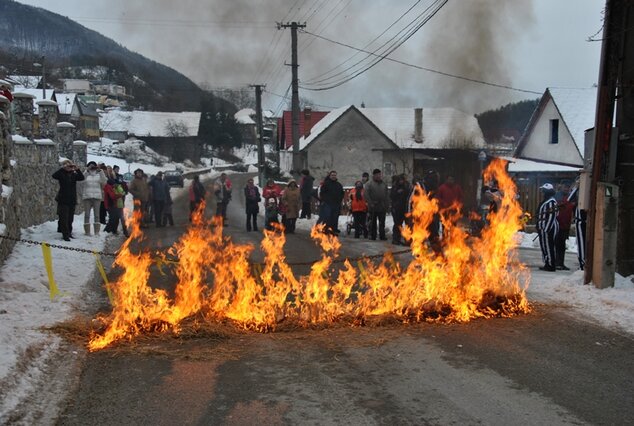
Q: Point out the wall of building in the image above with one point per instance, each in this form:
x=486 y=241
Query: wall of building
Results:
x=538 y=146
x=350 y=146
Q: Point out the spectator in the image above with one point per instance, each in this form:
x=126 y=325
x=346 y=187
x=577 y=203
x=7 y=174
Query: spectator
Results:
x=450 y=196
x=114 y=199
x=292 y=201
x=431 y=183
x=399 y=196
x=359 y=209
x=252 y=202
x=167 y=211
x=103 y=211
x=565 y=212
x=159 y=193
x=222 y=190
x=306 y=190
x=365 y=177
x=331 y=196
x=140 y=194
x=196 y=195
x=67 y=176
x=376 y=195
x=92 y=196
x=547 y=227
x=270 y=212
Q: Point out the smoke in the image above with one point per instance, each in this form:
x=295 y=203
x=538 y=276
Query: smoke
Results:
x=230 y=44
x=475 y=39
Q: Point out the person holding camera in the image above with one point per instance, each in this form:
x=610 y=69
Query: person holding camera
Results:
x=67 y=176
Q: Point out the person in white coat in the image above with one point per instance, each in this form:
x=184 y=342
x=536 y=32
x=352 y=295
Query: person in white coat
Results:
x=92 y=195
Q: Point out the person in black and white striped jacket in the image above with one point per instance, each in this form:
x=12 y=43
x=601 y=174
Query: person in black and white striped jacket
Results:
x=547 y=226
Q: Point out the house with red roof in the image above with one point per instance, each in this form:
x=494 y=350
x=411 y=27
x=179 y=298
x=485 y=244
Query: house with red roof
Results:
x=307 y=120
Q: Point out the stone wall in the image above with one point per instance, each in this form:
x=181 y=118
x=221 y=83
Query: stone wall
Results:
x=27 y=165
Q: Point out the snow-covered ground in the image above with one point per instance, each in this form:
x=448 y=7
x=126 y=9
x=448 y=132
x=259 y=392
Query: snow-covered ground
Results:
x=26 y=307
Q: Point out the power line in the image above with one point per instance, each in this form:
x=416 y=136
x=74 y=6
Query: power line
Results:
x=286 y=97
x=446 y=74
x=436 y=6
x=314 y=79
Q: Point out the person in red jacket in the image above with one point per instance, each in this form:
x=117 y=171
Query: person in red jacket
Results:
x=6 y=92
x=565 y=211
x=359 y=208
x=449 y=195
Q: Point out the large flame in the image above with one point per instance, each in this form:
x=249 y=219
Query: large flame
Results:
x=466 y=278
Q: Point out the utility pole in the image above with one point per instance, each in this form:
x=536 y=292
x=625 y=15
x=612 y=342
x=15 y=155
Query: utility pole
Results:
x=258 y=119
x=625 y=144
x=603 y=222
x=297 y=159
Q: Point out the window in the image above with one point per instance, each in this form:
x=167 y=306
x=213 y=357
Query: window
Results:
x=554 y=131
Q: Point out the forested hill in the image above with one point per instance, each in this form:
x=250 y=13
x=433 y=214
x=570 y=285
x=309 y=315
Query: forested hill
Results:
x=73 y=51
x=508 y=121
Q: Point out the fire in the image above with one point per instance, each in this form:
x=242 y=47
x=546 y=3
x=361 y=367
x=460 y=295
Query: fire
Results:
x=463 y=279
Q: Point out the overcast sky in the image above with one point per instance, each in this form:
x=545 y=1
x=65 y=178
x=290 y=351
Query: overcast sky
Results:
x=525 y=44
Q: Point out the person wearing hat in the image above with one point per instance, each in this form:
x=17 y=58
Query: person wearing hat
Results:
x=159 y=193
x=92 y=195
x=376 y=195
x=547 y=227
x=67 y=176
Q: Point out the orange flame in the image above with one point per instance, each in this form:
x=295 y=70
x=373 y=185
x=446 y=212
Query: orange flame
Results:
x=459 y=278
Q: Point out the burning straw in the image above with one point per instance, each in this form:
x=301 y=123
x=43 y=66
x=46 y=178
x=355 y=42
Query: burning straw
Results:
x=470 y=278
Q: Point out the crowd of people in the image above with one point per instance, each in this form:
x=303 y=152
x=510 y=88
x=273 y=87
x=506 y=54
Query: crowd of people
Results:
x=102 y=191
x=368 y=203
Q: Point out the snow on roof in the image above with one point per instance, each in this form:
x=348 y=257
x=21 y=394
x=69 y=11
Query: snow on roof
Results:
x=65 y=102
x=321 y=125
x=519 y=165
x=37 y=96
x=578 y=109
x=443 y=128
x=147 y=123
x=244 y=116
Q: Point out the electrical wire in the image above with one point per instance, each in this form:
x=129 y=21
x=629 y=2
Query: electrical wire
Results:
x=446 y=74
x=315 y=78
x=435 y=8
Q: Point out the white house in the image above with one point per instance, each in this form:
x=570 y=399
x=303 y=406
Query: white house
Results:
x=555 y=132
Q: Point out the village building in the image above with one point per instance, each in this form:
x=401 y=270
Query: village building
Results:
x=307 y=120
x=408 y=141
x=173 y=134
x=246 y=119
x=555 y=144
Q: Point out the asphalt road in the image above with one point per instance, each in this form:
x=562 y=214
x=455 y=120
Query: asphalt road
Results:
x=546 y=368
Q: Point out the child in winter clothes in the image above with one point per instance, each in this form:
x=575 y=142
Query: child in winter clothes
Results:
x=167 y=210
x=270 y=213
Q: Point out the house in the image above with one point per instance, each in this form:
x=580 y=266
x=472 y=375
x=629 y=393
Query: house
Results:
x=555 y=132
x=86 y=120
x=77 y=86
x=307 y=120
x=553 y=147
x=412 y=141
x=248 y=127
x=173 y=134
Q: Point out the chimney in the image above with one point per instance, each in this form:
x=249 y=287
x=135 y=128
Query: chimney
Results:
x=418 y=125
x=307 y=121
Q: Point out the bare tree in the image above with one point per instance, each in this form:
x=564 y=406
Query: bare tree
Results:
x=176 y=128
